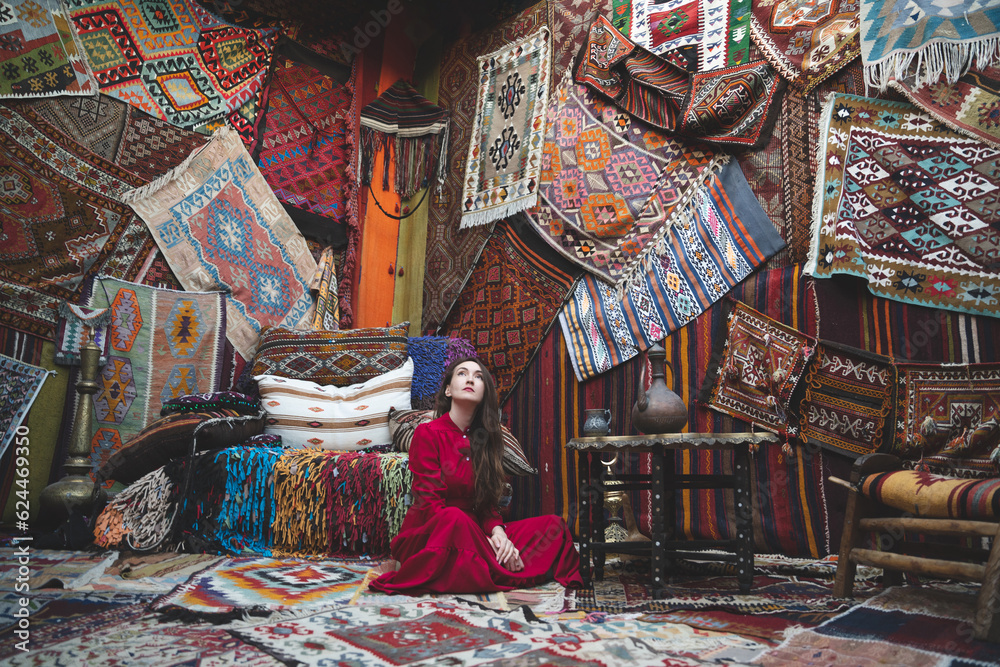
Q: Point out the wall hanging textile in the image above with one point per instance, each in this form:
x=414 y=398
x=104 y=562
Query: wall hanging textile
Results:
x=569 y=22
x=431 y=355
x=696 y=106
x=19 y=385
x=929 y=41
x=450 y=254
x=907 y=204
x=419 y=132
x=505 y=148
x=132 y=139
x=62 y=217
x=219 y=225
x=24 y=307
x=762 y=364
x=970 y=105
x=948 y=407
x=849 y=400
x=325 y=285
x=807 y=41
x=160 y=344
x=78 y=324
x=177 y=62
x=715 y=32
x=610 y=184
x=722 y=236
x=260 y=586
x=510 y=300
x=304 y=150
x=39 y=52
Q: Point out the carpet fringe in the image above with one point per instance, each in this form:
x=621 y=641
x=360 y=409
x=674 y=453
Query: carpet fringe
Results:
x=493 y=213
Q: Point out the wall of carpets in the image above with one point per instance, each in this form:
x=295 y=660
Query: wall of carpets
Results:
x=800 y=200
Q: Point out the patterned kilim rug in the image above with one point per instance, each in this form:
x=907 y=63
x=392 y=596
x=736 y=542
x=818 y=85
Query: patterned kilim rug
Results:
x=250 y=585
x=304 y=150
x=220 y=227
x=426 y=632
x=105 y=629
x=807 y=41
x=40 y=54
x=156 y=573
x=928 y=40
x=161 y=344
x=62 y=214
x=714 y=32
x=505 y=148
x=719 y=237
x=907 y=204
x=970 y=105
x=902 y=626
x=609 y=183
x=177 y=62
x=24 y=307
x=569 y=21
x=451 y=254
x=19 y=385
x=510 y=301
x=120 y=133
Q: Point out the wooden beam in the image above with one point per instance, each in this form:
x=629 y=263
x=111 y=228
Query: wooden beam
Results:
x=960 y=527
x=945 y=569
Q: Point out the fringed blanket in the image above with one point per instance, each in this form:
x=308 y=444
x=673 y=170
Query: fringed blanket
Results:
x=40 y=55
x=609 y=184
x=927 y=40
x=717 y=238
x=970 y=105
x=175 y=61
x=907 y=204
x=505 y=151
x=220 y=227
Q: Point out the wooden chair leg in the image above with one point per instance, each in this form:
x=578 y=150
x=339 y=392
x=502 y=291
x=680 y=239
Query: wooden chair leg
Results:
x=858 y=507
x=987 y=623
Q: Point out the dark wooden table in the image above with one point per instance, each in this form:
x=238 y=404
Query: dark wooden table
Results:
x=663 y=482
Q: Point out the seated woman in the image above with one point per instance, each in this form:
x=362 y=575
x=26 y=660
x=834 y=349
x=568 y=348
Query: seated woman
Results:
x=453 y=539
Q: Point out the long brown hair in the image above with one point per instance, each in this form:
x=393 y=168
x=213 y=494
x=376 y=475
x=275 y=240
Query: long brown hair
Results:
x=485 y=437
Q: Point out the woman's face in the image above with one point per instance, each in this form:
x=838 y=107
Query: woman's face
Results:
x=467 y=383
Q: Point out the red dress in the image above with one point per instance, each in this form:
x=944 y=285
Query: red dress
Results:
x=443 y=547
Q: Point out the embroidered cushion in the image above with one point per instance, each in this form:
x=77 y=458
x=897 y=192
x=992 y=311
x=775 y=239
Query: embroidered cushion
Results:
x=403 y=422
x=218 y=400
x=307 y=414
x=929 y=495
x=178 y=435
x=340 y=358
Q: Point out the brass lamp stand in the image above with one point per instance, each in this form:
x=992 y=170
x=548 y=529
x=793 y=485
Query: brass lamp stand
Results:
x=75 y=493
x=621 y=519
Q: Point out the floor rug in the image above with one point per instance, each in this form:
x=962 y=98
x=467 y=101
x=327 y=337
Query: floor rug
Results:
x=719 y=239
x=62 y=215
x=161 y=344
x=250 y=585
x=41 y=54
x=157 y=573
x=137 y=142
x=505 y=148
x=174 y=61
x=429 y=632
x=512 y=297
x=908 y=205
x=609 y=184
x=451 y=254
x=928 y=40
x=304 y=149
x=807 y=42
x=254 y=250
x=902 y=626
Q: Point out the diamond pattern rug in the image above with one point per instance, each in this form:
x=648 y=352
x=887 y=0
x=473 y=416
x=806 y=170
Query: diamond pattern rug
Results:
x=907 y=204
x=19 y=385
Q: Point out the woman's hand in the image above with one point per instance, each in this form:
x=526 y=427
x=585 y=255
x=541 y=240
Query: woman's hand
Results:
x=507 y=554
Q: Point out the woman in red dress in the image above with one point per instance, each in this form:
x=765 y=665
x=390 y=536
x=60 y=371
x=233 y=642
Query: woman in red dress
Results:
x=453 y=539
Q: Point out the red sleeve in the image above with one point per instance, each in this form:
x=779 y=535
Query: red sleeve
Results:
x=491 y=521
x=427 y=487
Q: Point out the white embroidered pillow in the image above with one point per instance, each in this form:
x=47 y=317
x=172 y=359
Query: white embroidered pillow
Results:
x=306 y=414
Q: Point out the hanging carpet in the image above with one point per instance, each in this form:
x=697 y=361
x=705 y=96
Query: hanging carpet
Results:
x=24 y=307
x=719 y=236
x=510 y=300
x=907 y=204
x=40 y=55
x=220 y=227
x=19 y=385
x=174 y=61
x=417 y=132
